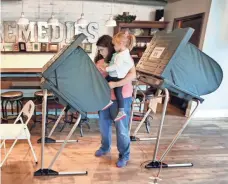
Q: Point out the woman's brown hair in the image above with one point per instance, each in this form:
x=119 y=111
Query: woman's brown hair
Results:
x=105 y=41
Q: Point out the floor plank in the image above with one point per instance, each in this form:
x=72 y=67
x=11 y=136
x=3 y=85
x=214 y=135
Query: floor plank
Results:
x=204 y=143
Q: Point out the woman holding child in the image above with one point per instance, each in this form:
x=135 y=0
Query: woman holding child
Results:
x=116 y=65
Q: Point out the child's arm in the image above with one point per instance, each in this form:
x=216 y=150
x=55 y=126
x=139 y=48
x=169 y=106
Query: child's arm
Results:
x=129 y=77
x=118 y=61
x=111 y=68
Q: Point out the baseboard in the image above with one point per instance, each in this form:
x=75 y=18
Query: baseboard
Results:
x=223 y=113
x=89 y=115
x=220 y=113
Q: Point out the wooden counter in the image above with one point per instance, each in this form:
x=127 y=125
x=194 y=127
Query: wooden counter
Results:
x=21 y=70
x=26 y=80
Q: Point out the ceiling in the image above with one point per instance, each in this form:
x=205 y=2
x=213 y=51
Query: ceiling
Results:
x=138 y=2
x=172 y=1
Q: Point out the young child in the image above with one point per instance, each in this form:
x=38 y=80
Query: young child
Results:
x=119 y=66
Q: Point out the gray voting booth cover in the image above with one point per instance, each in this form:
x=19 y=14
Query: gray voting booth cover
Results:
x=182 y=67
x=74 y=79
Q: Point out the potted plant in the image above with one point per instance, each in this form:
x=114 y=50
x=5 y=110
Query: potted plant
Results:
x=125 y=17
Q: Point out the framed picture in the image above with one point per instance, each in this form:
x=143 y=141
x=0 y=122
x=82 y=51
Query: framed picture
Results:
x=53 y=47
x=29 y=47
x=36 y=47
x=88 y=47
x=15 y=47
x=1 y=44
x=22 y=46
x=7 y=47
x=44 y=47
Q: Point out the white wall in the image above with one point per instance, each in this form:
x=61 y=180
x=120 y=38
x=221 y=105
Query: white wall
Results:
x=184 y=8
x=216 y=46
x=214 y=42
x=65 y=11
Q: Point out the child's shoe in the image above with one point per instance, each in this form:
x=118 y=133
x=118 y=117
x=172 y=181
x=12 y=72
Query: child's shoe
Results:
x=120 y=115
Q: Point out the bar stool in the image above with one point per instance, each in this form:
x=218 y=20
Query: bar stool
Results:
x=38 y=101
x=11 y=97
x=84 y=120
x=144 y=96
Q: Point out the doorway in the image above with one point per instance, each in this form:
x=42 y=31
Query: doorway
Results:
x=193 y=21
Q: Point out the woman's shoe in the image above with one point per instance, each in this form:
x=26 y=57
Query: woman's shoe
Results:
x=121 y=163
x=100 y=153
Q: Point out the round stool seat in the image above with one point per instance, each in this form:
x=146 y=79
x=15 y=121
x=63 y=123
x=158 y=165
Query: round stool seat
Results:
x=12 y=94
x=41 y=94
x=11 y=97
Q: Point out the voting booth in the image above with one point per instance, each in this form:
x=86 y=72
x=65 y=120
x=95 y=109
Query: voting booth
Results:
x=74 y=79
x=173 y=65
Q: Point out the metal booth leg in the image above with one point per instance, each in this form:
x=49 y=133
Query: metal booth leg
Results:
x=132 y=108
x=44 y=111
x=158 y=96
x=48 y=138
x=132 y=137
x=158 y=163
x=49 y=171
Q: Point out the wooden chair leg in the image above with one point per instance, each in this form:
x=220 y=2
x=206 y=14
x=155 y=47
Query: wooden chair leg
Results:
x=81 y=131
x=3 y=111
x=17 y=107
x=65 y=121
x=87 y=125
x=11 y=103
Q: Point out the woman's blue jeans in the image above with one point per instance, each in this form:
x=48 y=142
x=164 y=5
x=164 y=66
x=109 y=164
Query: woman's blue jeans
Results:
x=106 y=118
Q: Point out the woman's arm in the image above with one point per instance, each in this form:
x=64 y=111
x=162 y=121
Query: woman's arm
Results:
x=98 y=65
x=129 y=77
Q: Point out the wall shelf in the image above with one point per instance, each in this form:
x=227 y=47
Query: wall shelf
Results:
x=146 y=34
x=144 y=24
x=27 y=52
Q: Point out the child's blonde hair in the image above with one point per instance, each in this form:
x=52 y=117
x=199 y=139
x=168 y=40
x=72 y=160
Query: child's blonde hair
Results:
x=126 y=37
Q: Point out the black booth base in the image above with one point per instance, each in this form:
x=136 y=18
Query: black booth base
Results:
x=50 y=172
x=46 y=140
x=157 y=165
x=46 y=172
x=133 y=138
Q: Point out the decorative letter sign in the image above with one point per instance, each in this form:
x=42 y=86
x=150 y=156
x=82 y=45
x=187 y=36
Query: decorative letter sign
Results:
x=10 y=32
x=69 y=31
x=41 y=32
x=24 y=33
x=93 y=32
x=57 y=33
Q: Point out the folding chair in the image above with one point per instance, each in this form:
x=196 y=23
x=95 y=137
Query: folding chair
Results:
x=17 y=131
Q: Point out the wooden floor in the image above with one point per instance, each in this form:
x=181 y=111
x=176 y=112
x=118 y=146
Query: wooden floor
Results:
x=204 y=142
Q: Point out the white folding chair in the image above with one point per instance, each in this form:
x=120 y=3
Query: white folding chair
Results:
x=17 y=131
